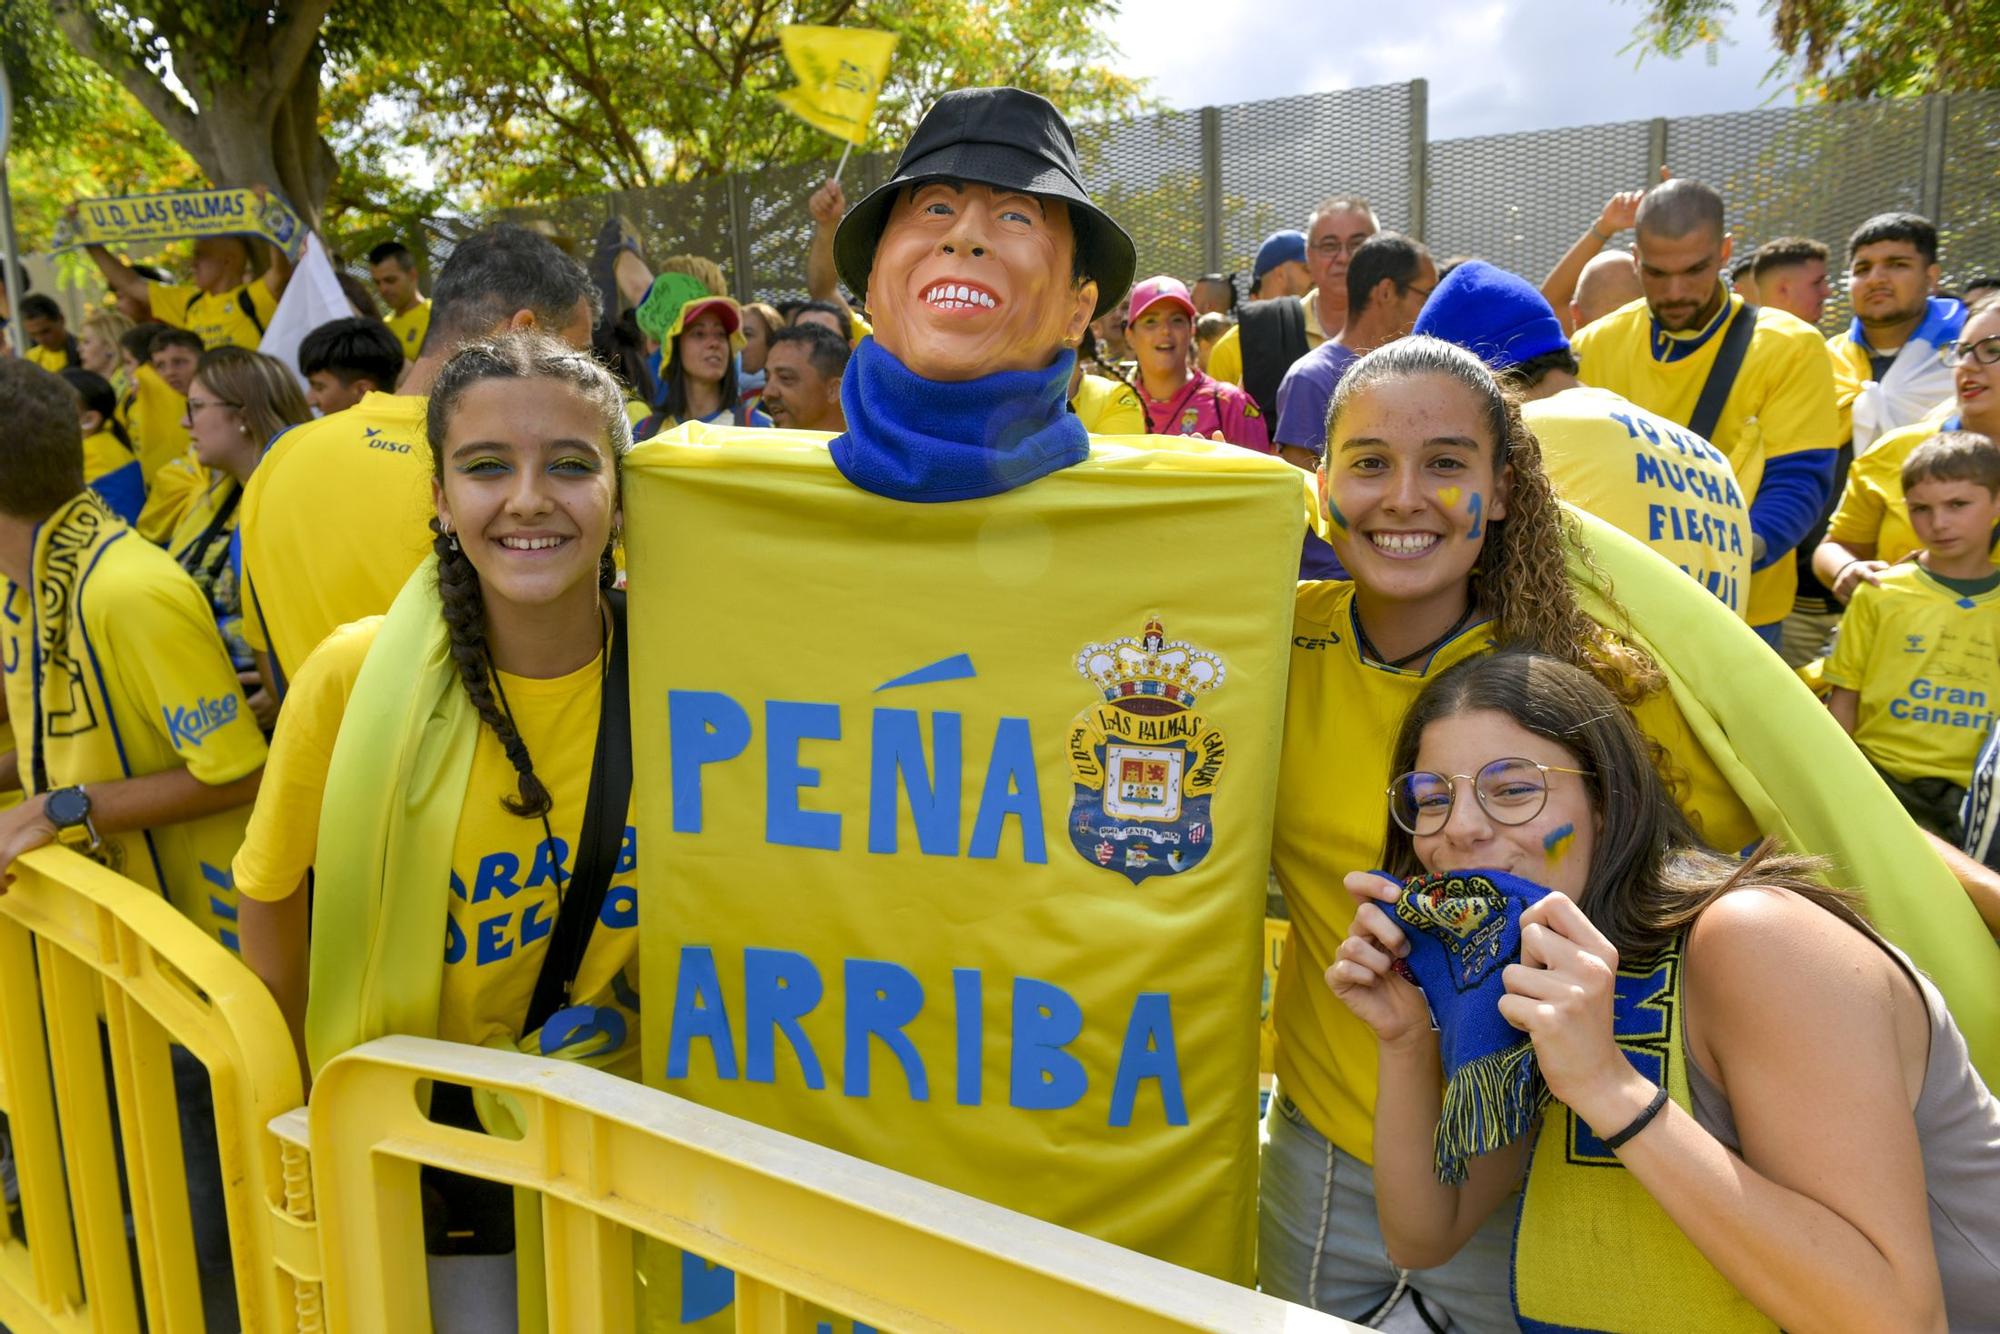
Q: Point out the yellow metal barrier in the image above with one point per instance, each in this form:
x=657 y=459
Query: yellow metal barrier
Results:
x=98 y=978
x=80 y=945
x=800 y=1225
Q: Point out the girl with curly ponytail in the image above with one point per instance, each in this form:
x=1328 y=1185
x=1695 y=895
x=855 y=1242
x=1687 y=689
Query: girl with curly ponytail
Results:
x=456 y=777
x=1438 y=506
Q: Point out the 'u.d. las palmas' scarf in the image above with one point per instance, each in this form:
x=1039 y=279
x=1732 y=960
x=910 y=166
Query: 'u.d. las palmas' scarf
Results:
x=1464 y=928
x=1592 y=1249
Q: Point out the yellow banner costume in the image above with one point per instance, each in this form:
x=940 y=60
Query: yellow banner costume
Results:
x=962 y=823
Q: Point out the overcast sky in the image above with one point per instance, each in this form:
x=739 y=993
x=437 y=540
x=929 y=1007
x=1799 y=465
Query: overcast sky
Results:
x=1494 y=66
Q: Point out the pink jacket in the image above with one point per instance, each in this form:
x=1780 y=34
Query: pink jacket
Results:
x=1204 y=406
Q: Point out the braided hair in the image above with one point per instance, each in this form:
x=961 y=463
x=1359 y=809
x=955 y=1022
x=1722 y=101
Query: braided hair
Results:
x=1091 y=352
x=522 y=355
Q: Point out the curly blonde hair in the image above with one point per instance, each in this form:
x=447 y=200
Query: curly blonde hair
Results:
x=1521 y=582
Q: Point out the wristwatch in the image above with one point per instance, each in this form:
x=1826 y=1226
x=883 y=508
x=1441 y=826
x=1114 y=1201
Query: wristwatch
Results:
x=68 y=809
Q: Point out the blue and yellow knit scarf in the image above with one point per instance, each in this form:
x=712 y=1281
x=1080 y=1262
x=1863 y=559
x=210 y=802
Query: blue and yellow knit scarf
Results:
x=1464 y=928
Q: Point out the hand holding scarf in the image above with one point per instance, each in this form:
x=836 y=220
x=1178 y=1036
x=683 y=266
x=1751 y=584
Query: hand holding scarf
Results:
x=1561 y=994
x=1465 y=930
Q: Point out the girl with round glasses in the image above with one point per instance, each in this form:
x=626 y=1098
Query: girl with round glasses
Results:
x=1870 y=530
x=1438 y=507
x=1828 y=1151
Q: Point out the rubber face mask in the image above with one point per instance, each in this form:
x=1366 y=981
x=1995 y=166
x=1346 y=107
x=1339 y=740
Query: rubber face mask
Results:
x=969 y=280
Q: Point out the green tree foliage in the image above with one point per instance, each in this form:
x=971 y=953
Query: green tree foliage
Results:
x=77 y=134
x=236 y=83
x=527 y=100
x=1849 y=49
x=372 y=115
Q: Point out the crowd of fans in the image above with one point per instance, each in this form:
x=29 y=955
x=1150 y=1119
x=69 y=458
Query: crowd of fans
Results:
x=1840 y=495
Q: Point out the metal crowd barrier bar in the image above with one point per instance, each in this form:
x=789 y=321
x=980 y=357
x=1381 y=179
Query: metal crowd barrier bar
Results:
x=800 y=1225
x=98 y=978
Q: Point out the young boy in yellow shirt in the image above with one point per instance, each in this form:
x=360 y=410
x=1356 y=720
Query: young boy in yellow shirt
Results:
x=1916 y=669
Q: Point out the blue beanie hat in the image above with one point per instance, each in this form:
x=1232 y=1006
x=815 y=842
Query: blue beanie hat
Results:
x=1498 y=317
x=1278 y=248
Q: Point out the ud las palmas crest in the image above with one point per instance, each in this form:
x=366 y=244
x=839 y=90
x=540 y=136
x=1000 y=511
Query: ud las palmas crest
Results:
x=1144 y=761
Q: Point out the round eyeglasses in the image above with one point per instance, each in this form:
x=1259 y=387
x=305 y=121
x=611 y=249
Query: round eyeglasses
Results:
x=1510 y=790
x=1985 y=351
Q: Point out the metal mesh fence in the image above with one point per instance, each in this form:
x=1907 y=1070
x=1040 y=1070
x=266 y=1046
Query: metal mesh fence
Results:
x=1280 y=158
x=1807 y=171
x=1969 y=212
x=1520 y=200
x=1200 y=189
x=1147 y=173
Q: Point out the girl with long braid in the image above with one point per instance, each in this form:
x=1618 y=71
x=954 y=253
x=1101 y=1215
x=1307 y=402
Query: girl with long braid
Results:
x=456 y=778
x=1436 y=502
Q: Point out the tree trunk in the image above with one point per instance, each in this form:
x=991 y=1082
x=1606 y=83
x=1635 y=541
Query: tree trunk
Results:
x=256 y=105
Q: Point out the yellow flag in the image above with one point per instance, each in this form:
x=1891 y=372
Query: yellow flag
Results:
x=840 y=73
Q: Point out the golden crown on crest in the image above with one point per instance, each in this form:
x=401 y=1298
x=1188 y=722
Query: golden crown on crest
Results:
x=1150 y=665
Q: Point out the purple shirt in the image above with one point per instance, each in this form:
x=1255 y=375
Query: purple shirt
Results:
x=1306 y=391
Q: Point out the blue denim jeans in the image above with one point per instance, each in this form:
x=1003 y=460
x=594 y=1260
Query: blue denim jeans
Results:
x=1318 y=1242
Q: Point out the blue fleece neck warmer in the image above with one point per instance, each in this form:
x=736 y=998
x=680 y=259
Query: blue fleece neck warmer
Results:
x=1464 y=928
x=914 y=439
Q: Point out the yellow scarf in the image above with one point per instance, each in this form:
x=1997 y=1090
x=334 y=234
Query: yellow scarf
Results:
x=395 y=788
x=67 y=544
x=1593 y=1249
x=1799 y=775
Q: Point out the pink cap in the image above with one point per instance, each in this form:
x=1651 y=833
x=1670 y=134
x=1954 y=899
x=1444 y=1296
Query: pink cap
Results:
x=1155 y=290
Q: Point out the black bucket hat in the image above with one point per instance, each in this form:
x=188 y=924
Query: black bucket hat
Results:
x=1003 y=137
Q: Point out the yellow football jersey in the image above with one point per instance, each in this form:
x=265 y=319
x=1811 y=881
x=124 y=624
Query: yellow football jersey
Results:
x=1784 y=401
x=333 y=521
x=1925 y=660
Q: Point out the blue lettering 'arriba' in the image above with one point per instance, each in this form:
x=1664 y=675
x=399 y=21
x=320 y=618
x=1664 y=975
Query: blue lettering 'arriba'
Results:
x=780 y=1030
x=909 y=764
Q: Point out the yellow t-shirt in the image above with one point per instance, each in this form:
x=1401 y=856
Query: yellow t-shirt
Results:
x=1783 y=402
x=504 y=870
x=152 y=691
x=154 y=414
x=333 y=521
x=219 y=317
x=410 y=326
x=51 y=359
x=114 y=472
x=1657 y=481
x=1106 y=407
x=1341 y=720
x=1225 y=359
x=1925 y=660
x=1871 y=510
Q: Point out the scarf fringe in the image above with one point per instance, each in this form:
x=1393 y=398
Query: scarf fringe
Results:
x=1488 y=1103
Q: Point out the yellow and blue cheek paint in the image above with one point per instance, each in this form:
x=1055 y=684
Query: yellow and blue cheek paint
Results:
x=1557 y=845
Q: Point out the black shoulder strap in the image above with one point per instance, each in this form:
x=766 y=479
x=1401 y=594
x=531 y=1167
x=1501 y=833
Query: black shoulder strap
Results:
x=603 y=831
x=249 y=306
x=1274 y=336
x=1722 y=375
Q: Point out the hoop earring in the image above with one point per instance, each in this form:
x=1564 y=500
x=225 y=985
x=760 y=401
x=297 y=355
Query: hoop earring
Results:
x=450 y=538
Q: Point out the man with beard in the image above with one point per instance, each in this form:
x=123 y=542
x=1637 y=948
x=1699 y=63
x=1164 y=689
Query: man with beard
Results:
x=1756 y=382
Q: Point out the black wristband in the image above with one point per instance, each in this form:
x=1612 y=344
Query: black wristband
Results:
x=1639 y=1122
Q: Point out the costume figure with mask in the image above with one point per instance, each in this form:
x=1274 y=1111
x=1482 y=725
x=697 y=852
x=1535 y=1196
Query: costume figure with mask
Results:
x=974 y=889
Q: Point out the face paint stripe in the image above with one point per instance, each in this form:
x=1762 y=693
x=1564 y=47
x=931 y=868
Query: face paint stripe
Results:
x=1557 y=845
